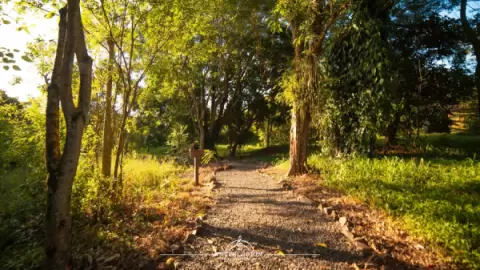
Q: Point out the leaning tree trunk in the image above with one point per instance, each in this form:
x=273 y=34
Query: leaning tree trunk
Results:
x=62 y=167
x=107 y=125
x=299 y=140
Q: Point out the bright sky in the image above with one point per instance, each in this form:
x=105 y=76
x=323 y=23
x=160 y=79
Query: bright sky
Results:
x=13 y=39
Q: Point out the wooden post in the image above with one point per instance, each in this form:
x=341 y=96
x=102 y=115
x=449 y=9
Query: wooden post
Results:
x=195 y=170
x=196 y=154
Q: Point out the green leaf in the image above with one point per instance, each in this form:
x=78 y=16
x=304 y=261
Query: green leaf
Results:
x=5 y=21
x=50 y=14
x=16 y=67
x=6 y=67
x=26 y=58
x=9 y=55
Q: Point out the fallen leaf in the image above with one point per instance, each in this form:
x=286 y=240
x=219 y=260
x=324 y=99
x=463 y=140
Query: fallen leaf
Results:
x=419 y=247
x=279 y=252
x=321 y=245
x=170 y=263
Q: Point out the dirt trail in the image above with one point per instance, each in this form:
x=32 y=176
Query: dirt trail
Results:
x=252 y=206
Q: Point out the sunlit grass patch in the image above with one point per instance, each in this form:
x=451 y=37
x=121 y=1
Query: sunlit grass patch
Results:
x=438 y=200
x=147 y=179
x=223 y=151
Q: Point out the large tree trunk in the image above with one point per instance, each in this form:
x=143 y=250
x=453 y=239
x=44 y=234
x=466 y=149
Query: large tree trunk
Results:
x=300 y=117
x=62 y=167
x=107 y=126
x=299 y=140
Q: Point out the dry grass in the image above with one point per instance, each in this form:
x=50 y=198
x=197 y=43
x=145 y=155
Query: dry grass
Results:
x=157 y=212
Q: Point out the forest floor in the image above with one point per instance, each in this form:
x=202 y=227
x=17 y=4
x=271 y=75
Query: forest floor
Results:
x=255 y=224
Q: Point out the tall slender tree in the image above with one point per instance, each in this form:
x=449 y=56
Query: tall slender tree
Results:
x=62 y=165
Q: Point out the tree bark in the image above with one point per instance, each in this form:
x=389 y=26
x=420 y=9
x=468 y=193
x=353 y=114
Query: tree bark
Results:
x=300 y=118
x=299 y=140
x=107 y=126
x=120 y=147
x=472 y=38
x=62 y=167
x=202 y=137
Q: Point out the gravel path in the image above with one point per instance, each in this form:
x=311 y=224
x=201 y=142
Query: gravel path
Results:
x=269 y=222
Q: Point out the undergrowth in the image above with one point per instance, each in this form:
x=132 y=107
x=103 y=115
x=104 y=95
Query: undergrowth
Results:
x=123 y=231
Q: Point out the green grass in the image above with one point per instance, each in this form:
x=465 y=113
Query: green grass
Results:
x=222 y=149
x=460 y=144
x=147 y=180
x=438 y=200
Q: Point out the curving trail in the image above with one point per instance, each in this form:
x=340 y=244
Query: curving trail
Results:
x=253 y=207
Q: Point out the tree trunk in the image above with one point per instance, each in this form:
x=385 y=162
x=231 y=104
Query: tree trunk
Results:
x=120 y=148
x=107 y=126
x=266 y=140
x=477 y=84
x=299 y=140
x=392 y=131
x=202 y=137
x=62 y=167
x=300 y=117
x=233 y=149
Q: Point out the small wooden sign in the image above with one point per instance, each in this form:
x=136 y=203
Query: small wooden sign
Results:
x=196 y=153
